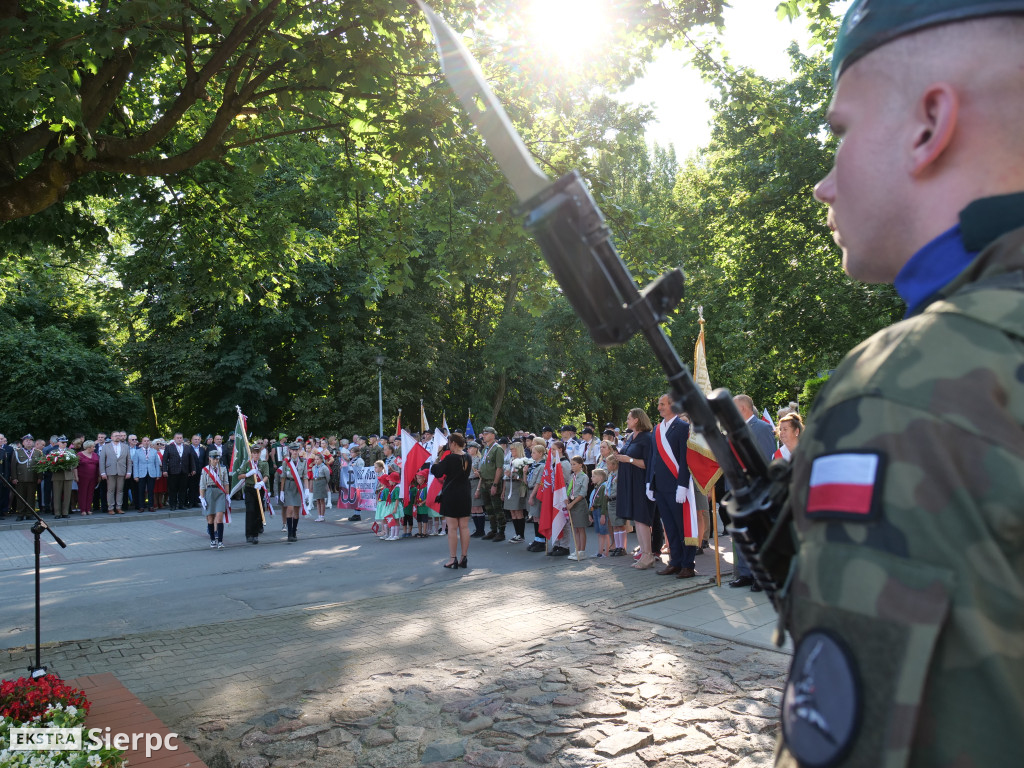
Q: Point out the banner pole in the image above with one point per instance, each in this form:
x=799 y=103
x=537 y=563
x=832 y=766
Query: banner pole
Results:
x=714 y=522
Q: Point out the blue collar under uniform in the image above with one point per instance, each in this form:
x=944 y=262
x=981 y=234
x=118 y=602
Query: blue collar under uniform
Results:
x=940 y=261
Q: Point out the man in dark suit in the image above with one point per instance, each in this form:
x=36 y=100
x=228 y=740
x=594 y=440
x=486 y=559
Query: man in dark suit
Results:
x=179 y=465
x=764 y=439
x=668 y=480
x=198 y=451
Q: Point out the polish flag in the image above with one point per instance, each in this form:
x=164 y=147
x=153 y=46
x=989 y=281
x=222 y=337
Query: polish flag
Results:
x=434 y=484
x=843 y=482
x=783 y=453
x=414 y=456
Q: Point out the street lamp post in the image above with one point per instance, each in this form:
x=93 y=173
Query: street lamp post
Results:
x=380 y=394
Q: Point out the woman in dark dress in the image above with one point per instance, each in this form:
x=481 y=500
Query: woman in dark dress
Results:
x=633 y=503
x=456 y=498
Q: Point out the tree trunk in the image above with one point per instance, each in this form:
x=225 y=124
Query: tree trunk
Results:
x=499 y=396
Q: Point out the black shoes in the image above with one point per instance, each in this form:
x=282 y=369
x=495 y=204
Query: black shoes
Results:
x=558 y=552
x=453 y=564
x=742 y=581
x=488 y=536
x=536 y=546
x=354 y=518
x=479 y=535
x=464 y=562
x=499 y=537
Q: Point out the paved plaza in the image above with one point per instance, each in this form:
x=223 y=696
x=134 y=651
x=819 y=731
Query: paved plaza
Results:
x=519 y=660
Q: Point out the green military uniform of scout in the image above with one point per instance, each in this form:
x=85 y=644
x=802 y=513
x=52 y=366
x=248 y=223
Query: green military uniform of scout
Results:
x=492 y=467
x=907 y=599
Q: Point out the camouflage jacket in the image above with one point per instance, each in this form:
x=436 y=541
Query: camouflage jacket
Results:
x=907 y=603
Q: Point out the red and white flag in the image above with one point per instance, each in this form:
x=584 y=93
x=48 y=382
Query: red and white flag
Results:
x=700 y=460
x=434 y=484
x=767 y=419
x=843 y=483
x=414 y=456
x=783 y=453
x=554 y=512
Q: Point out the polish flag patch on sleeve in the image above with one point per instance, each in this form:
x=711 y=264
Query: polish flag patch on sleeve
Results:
x=843 y=486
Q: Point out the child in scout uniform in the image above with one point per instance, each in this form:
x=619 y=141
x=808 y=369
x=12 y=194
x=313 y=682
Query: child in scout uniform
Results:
x=319 y=474
x=599 y=511
x=619 y=526
x=576 y=494
x=417 y=498
x=213 y=497
x=291 y=474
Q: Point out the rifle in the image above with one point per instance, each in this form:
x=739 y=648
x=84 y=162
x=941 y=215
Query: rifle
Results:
x=577 y=245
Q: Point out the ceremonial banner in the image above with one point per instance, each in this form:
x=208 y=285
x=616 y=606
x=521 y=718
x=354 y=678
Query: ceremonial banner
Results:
x=361 y=494
x=699 y=459
x=238 y=464
x=554 y=512
x=470 y=432
x=424 y=425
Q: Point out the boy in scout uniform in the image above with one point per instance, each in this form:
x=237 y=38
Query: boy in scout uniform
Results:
x=492 y=468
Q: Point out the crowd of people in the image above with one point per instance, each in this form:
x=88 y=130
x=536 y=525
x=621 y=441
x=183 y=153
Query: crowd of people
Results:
x=621 y=482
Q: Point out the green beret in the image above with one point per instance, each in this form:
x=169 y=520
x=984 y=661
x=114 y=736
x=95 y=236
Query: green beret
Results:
x=873 y=23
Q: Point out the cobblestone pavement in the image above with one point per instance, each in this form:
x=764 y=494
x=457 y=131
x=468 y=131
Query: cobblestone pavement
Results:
x=537 y=667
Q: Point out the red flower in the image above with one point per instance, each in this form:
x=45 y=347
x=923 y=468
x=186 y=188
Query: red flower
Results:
x=25 y=698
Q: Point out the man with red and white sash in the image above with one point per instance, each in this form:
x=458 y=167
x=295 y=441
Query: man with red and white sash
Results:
x=668 y=483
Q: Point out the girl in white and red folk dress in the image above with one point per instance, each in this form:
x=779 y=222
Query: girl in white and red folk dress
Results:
x=292 y=473
x=213 y=497
x=393 y=511
x=380 y=527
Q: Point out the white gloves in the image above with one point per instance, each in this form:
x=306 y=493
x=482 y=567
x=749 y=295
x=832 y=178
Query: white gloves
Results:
x=680 y=495
x=308 y=498
x=202 y=500
x=251 y=472
x=650 y=493
x=260 y=485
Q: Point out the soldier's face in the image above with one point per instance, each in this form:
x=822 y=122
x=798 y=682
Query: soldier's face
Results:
x=868 y=190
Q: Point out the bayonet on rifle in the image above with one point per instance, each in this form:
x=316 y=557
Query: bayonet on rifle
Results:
x=577 y=245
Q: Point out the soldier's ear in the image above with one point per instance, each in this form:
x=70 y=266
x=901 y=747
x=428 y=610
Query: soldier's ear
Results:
x=935 y=122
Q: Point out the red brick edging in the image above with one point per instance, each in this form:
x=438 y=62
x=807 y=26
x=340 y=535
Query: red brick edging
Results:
x=117 y=708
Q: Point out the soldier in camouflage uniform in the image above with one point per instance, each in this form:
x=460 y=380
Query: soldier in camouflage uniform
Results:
x=373 y=452
x=492 y=464
x=907 y=600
